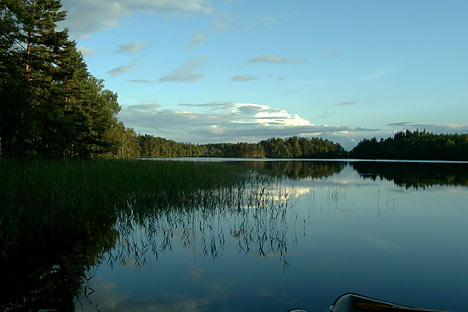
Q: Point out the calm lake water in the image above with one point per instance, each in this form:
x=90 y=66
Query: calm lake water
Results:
x=299 y=237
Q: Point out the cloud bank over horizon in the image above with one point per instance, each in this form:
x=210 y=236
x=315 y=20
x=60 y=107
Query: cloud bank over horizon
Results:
x=230 y=122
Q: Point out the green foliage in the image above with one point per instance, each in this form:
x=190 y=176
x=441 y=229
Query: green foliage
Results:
x=156 y=147
x=243 y=150
x=414 y=145
x=50 y=105
x=293 y=147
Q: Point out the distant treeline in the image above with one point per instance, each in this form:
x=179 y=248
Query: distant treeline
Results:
x=412 y=145
x=420 y=145
x=293 y=147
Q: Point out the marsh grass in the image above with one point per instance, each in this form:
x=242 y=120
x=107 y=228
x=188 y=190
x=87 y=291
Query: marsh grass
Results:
x=58 y=218
x=45 y=195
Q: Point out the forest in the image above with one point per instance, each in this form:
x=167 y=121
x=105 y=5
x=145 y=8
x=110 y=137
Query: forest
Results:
x=414 y=145
x=52 y=107
x=293 y=147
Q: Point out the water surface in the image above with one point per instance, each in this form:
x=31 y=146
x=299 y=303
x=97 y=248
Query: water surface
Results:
x=312 y=231
x=233 y=236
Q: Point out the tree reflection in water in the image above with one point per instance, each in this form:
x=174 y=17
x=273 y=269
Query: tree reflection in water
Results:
x=415 y=175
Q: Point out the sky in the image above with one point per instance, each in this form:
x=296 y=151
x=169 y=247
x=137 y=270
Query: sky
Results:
x=208 y=71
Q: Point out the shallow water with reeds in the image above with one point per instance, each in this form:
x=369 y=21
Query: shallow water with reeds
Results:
x=232 y=236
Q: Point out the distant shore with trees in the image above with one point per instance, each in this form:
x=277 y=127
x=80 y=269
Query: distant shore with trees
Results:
x=414 y=145
x=52 y=107
x=410 y=145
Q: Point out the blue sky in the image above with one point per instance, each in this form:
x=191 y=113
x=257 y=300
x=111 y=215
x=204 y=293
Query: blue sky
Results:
x=237 y=70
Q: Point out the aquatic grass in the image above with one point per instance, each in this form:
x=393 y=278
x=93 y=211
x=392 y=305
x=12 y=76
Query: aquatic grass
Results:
x=63 y=216
x=44 y=195
x=57 y=218
x=255 y=208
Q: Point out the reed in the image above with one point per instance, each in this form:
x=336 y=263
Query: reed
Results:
x=39 y=194
x=58 y=218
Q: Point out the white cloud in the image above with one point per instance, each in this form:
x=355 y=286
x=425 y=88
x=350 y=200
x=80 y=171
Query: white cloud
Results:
x=185 y=73
x=86 y=51
x=213 y=105
x=244 y=78
x=231 y=122
x=143 y=107
x=131 y=47
x=451 y=127
x=198 y=39
x=274 y=59
x=379 y=73
x=399 y=124
x=432 y=127
x=88 y=16
x=120 y=70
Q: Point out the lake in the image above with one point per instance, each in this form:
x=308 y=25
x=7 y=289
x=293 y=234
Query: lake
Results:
x=294 y=234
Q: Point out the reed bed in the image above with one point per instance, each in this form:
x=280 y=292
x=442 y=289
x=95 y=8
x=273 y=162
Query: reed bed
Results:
x=46 y=195
x=57 y=218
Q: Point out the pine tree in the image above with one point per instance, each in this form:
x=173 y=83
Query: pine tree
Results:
x=50 y=105
x=31 y=47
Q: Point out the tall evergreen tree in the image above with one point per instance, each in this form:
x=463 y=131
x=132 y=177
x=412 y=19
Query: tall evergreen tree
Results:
x=32 y=48
x=50 y=105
